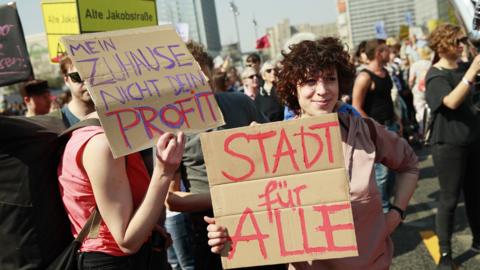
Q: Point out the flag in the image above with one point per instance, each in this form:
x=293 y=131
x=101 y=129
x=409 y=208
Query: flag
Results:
x=263 y=42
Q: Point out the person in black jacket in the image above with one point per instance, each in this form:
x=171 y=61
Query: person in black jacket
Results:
x=455 y=135
x=267 y=101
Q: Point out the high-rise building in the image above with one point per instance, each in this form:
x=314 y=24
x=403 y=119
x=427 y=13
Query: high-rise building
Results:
x=363 y=15
x=320 y=30
x=428 y=11
x=277 y=35
x=283 y=31
x=201 y=17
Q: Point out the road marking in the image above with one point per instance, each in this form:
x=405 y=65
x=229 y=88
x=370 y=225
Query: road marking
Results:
x=431 y=242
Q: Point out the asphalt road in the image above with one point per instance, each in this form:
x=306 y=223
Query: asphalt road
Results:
x=416 y=245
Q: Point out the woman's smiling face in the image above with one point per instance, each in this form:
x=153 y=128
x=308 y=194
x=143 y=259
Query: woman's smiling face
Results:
x=318 y=95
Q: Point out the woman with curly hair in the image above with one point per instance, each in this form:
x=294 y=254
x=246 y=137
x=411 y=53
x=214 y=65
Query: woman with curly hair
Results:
x=455 y=135
x=314 y=75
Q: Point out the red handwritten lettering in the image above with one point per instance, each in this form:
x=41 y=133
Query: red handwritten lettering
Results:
x=302 y=134
x=228 y=150
x=327 y=127
x=270 y=187
x=183 y=111
x=289 y=152
x=260 y=137
x=329 y=229
x=123 y=128
x=281 y=239
x=147 y=122
x=258 y=236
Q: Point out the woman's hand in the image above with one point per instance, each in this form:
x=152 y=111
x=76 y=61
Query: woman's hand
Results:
x=163 y=239
x=217 y=235
x=169 y=152
x=392 y=218
x=474 y=68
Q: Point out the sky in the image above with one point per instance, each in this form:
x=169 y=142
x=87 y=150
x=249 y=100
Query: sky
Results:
x=267 y=13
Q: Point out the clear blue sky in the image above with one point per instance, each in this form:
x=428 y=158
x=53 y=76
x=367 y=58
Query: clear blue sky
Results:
x=267 y=13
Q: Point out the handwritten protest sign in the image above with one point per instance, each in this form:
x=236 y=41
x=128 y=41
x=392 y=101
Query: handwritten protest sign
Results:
x=143 y=82
x=282 y=192
x=15 y=65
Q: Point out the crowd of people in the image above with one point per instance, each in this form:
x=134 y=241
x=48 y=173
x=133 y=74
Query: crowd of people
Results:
x=388 y=96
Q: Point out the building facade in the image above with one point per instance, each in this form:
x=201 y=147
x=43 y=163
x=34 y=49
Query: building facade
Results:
x=201 y=17
x=360 y=17
x=283 y=31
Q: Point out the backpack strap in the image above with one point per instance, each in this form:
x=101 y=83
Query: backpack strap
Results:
x=91 y=227
x=81 y=124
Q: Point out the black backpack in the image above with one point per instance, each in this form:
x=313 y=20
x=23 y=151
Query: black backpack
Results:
x=34 y=228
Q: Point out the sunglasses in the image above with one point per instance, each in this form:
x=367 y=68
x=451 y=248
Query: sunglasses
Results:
x=269 y=70
x=462 y=40
x=252 y=76
x=75 y=77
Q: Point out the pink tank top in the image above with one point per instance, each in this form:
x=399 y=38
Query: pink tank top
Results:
x=77 y=193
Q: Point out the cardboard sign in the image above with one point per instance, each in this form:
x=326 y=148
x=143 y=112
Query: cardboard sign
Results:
x=404 y=32
x=144 y=82
x=15 y=64
x=69 y=17
x=380 y=31
x=281 y=190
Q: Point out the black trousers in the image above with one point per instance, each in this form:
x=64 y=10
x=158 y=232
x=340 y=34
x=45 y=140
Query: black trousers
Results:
x=144 y=259
x=458 y=168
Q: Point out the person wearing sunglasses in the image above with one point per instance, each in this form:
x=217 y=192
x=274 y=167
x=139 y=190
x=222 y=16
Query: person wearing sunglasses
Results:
x=250 y=82
x=254 y=61
x=81 y=103
x=455 y=135
x=267 y=101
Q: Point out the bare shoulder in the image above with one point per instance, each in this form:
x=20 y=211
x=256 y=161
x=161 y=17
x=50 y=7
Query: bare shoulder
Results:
x=97 y=152
x=363 y=77
x=97 y=144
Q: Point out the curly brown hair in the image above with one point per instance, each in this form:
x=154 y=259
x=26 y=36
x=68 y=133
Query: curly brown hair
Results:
x=443 y=40
x=307 y=60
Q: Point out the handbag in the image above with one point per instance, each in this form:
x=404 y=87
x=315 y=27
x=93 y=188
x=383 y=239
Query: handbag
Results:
x=429 y=118
x=67 y=260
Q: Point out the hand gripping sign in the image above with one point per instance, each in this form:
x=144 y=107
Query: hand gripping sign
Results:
x=143 y=82
x=281 y=190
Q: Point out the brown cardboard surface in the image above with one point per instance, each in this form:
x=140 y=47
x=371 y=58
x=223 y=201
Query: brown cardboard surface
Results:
x=282 y=191
x=144 y=82
x=313 y=188
x=293 y=244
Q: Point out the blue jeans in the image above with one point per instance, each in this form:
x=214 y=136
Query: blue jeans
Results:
x=385 y=178
x=180 y=254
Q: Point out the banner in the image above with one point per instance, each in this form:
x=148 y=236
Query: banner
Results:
x=144 y=81
x=15 y=64
x=281 y=190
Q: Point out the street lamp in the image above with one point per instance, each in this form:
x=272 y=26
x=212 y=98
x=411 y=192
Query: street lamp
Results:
x=234 y=9
x=254 y=21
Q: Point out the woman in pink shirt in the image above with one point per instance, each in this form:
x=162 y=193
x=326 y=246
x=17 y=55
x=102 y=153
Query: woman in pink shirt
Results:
x=313 y=77
x=129 y=201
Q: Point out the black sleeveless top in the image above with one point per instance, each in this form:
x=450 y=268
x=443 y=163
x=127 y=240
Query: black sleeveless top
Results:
x=378 y=102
